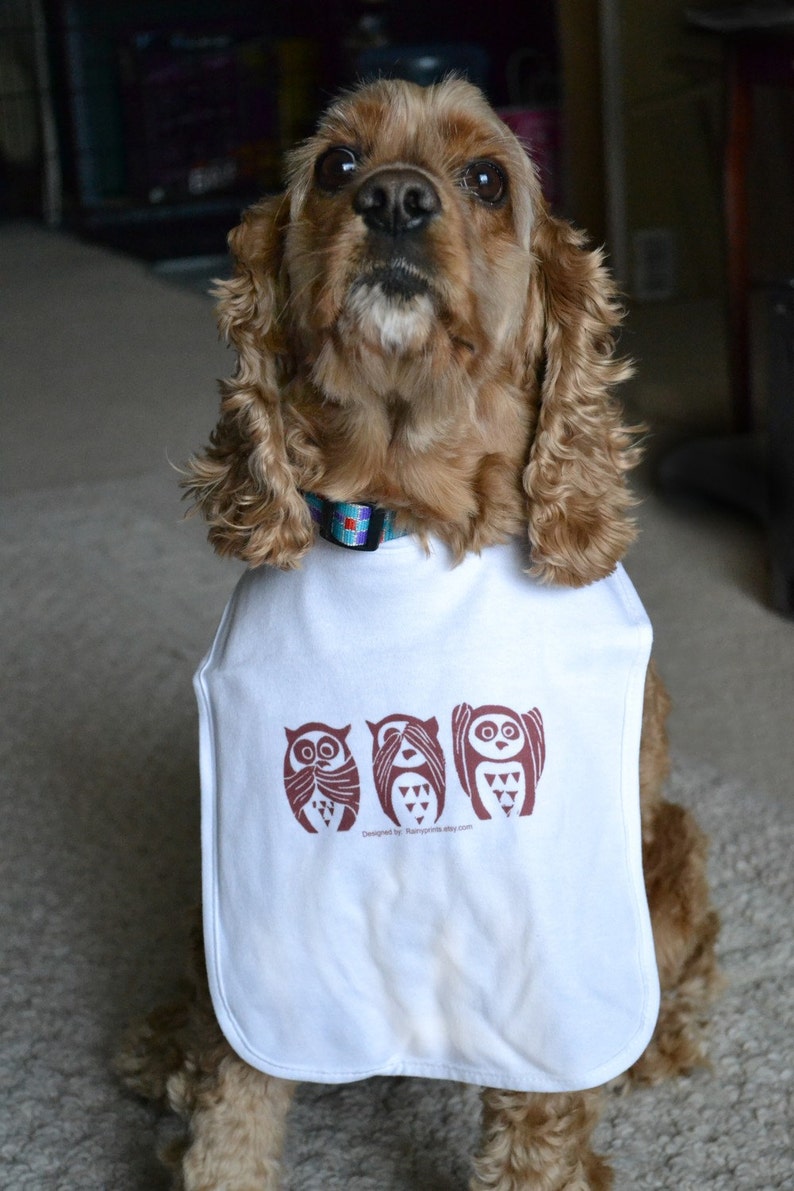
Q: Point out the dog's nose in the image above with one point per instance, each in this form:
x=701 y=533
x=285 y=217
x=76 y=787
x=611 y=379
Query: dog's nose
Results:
x=396 y=201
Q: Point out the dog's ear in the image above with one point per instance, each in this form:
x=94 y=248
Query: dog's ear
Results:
x=243 y=483
x=579 y=523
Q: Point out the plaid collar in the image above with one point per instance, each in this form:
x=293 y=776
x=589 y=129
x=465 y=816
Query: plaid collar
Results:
x=355 y=526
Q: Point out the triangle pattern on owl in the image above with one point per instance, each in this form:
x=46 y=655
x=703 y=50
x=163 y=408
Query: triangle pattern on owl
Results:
x=324 y=808
x=499 y=757
x=507 y=787
x=416 y=798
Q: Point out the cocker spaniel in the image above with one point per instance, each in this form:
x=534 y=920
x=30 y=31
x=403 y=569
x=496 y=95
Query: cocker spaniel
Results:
x=425 y=354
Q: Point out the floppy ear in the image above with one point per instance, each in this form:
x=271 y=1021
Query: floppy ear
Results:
x=579 y=526
x=243 y=483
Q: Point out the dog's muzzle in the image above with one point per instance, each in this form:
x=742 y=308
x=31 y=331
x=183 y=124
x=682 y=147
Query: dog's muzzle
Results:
x=396 y=280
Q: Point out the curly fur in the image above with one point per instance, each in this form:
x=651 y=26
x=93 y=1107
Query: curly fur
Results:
x=487 y=410
x=478 y=404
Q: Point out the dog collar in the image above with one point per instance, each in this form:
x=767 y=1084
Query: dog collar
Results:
x=355 y=526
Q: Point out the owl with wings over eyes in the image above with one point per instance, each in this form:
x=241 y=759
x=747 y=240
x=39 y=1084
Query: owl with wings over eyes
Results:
x=499 y=756
x=408 y=769
x=321 y=778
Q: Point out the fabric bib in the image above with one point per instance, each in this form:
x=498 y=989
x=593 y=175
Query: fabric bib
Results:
x=420 y=821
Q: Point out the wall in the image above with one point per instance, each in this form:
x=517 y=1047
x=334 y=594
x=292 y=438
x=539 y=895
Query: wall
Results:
x=583 y=133
x=673 y=121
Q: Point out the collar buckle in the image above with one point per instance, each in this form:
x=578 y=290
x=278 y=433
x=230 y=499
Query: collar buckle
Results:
x=373 y=531
x=353 y=526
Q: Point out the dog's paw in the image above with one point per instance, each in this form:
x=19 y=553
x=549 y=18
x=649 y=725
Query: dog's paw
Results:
x=150 y=1052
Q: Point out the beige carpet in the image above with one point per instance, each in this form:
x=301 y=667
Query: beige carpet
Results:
x=108 y=601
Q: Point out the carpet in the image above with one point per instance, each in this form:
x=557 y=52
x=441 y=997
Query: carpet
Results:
x=108 y=602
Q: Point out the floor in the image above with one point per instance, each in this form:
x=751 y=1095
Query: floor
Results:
x=727 y=656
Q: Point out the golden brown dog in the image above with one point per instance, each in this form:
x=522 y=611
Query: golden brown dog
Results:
x=415 y=329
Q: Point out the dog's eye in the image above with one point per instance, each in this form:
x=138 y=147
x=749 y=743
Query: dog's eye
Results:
x=486 y=180
x=335 y=167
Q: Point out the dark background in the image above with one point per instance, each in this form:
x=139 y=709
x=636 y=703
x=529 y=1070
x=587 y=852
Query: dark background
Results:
x=172 y=115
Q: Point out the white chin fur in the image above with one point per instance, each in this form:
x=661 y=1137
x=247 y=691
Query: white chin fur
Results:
x=392 y=323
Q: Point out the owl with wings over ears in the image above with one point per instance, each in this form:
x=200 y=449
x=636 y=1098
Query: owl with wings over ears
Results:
x=321 y=778
x=499 y=756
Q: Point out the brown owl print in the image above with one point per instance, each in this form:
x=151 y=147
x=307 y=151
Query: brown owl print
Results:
x=321 y=778
x=499 y=757
x=408 y=769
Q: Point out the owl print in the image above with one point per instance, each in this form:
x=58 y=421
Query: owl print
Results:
x=408 y=769
x=499 y=757
x=321 y=778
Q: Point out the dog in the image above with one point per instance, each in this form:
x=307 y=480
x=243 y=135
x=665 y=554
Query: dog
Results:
x=420 y=338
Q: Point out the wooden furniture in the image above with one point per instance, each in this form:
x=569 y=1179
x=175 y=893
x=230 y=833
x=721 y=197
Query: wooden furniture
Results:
x=746 y=470
x=758 y=48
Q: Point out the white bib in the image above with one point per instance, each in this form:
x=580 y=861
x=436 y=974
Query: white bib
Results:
x=420 y=821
